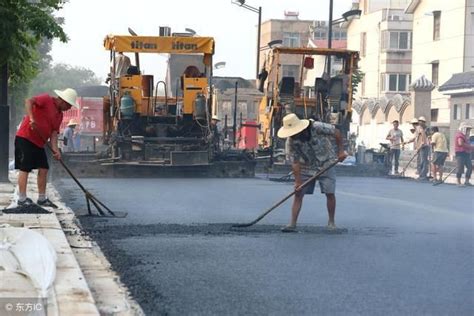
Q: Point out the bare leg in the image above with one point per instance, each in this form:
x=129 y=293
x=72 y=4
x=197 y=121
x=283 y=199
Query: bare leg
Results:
x=440 y=173
x=42 y=178
x=22 y=181
x=296 y=208
x=331 y=205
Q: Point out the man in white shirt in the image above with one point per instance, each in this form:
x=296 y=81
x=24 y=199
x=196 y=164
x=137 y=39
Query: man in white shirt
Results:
x=395 y=136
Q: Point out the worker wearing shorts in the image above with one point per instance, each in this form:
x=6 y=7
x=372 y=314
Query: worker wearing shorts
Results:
x=327 y=183
x=41 y=123
x=311 y=149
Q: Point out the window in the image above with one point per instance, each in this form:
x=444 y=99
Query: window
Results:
x=434 y=115
x=469 y=111
x=395 y=82
x=457 y=112
x=291 y=39
x=227 y=109
x=396 y=40
x=320 y=34
x=242 y=110
x=434 y=73
x=363 y=43
x=436 y=25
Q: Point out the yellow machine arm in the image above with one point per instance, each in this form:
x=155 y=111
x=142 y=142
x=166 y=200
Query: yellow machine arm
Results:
x=159 y=44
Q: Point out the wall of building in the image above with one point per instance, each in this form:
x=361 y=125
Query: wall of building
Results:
x=369 y=56
x=462 y=100
x=469 y=40
x=448 y=50
x=373 y=123
x=378 y=60
x=369 y=6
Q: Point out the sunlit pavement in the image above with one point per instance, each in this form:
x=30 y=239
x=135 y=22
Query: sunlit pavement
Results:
x=403 y=247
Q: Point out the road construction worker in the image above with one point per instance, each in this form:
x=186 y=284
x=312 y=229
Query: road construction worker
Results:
x=216 y=133
x=439 y=144
x=44 y=115
x=69 y=142
x=463 y=149
x=311 y=149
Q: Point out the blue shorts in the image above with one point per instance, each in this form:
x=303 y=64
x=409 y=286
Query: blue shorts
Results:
x=327 y=183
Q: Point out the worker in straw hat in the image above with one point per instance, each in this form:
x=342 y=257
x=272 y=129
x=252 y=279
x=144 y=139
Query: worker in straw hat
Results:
x=69 y=144
x=422 y=147
x=463 y=150
x=310 y=150
x=41 y=123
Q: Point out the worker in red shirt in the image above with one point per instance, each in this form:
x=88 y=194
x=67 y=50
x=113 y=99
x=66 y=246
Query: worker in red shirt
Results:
x=43 y=118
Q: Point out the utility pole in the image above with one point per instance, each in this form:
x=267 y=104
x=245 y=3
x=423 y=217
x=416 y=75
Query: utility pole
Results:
x=234 y=126
x=259 y=27
x=329 y=36
x=4 y=123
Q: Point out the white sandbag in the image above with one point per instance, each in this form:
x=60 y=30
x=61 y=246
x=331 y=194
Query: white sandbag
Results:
x=8 y=261
x=34 y=253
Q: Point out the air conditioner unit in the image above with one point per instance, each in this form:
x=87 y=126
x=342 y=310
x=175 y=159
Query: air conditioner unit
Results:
x=394 y=17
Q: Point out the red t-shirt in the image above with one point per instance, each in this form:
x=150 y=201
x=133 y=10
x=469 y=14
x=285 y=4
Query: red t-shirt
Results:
x=461 y=149
x=48 y=118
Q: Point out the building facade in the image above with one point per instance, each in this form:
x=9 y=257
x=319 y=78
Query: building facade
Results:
x=383 y=36
x=460 y=90
x=443 y=44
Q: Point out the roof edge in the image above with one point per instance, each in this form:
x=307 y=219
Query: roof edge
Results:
x=412 y=6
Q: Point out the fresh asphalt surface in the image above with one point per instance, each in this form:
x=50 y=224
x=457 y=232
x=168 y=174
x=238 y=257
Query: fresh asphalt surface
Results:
x=406 y=248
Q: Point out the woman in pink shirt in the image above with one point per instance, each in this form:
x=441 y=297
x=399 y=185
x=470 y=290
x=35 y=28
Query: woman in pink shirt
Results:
x=463 y=148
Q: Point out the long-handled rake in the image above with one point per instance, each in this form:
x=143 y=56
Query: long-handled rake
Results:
x=90 y=198
x=402 y=174
x=446 y=177
x=317 y=175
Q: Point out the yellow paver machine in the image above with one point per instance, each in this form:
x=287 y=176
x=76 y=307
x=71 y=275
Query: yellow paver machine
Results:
x=307 y=90
x=148 y=132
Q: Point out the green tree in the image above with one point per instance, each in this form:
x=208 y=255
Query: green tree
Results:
x=357 y=77
x=62 y=76
x=23 y=25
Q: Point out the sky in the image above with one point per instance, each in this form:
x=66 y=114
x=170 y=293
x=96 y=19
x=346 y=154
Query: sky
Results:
x=234 y=28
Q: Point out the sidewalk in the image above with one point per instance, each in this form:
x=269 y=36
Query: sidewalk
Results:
x=84 y=284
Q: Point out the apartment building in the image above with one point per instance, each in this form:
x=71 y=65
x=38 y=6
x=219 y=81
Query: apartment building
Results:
x=443 y=51
x=383 y=35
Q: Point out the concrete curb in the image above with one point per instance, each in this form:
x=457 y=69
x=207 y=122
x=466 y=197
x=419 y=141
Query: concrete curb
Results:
x=70 y=293
x=85 y=284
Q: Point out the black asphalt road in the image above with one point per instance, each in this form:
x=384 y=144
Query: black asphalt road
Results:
x=403 y=247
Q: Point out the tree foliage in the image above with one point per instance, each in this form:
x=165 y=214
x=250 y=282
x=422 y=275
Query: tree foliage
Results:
x=62 y=76
x=23 y=25
x=357 y=77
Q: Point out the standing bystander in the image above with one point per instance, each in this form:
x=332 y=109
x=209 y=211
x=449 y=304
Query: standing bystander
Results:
x=41 y=122
x=463 y=149
x=395 y=136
